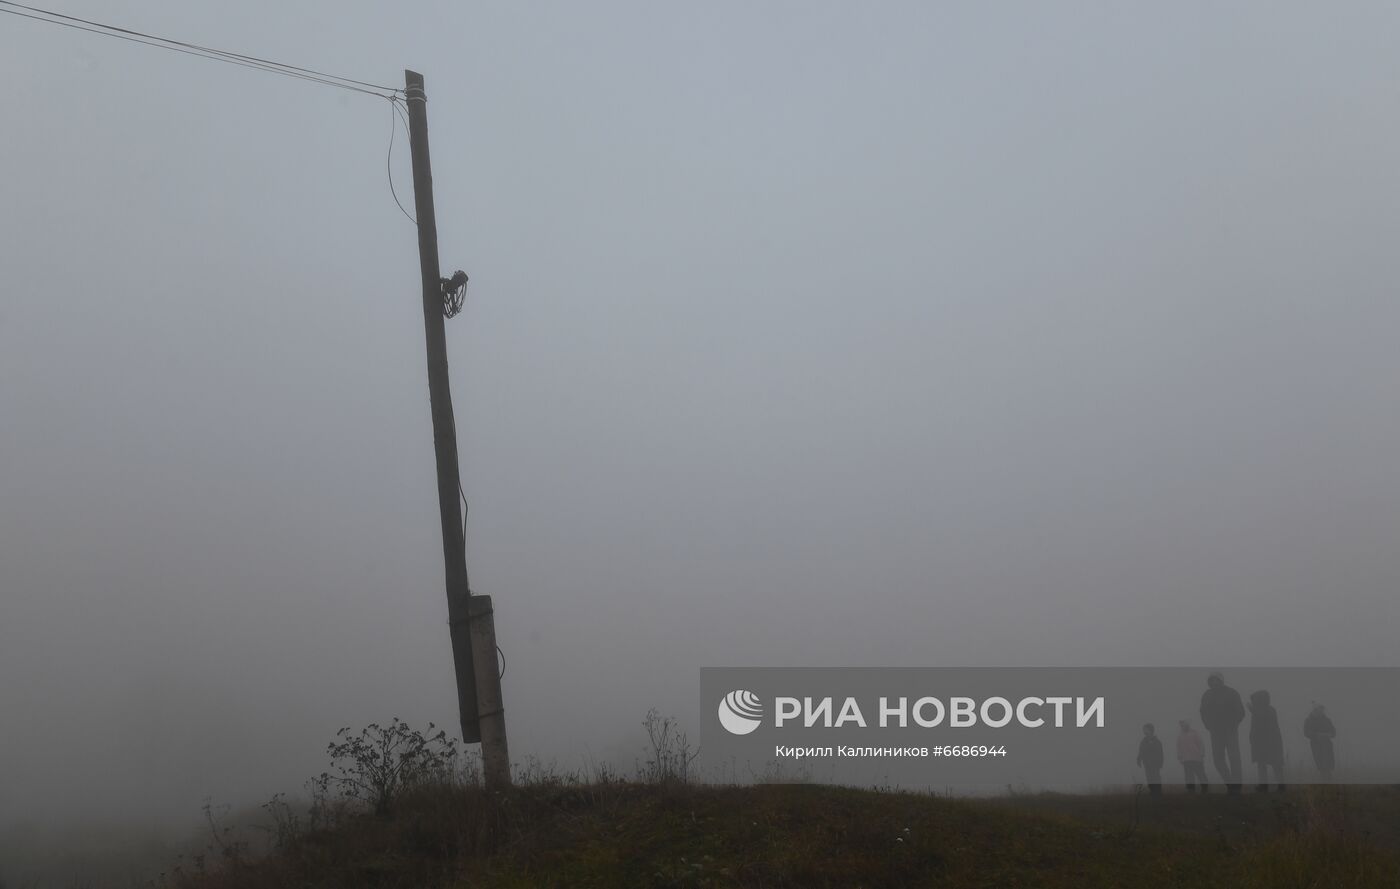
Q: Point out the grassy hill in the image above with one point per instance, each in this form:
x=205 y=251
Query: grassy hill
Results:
x=616 y=834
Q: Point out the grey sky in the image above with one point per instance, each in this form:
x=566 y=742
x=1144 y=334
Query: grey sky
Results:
x=798 y=334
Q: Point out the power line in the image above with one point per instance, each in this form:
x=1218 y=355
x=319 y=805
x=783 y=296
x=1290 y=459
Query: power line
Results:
x=222 y=52
x=194 y=49
x=197 y=49
x=219 y=55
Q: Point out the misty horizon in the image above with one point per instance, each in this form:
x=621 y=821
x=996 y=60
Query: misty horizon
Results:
x=796 y=336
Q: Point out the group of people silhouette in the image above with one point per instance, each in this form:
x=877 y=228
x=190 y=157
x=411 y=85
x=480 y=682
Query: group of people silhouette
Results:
x=1222 y=711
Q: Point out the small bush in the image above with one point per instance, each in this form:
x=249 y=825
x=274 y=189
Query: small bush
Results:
x=379 y=763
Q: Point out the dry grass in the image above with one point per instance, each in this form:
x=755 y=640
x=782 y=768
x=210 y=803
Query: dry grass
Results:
x=567 y=833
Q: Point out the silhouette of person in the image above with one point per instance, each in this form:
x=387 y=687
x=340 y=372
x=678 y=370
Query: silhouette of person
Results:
x=1191 y=753
x=1222 y=711
x=1150 y=757
x=1319 y=731
x=1265 y=740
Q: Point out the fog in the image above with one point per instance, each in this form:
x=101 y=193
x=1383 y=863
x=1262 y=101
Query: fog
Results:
x=798 y=334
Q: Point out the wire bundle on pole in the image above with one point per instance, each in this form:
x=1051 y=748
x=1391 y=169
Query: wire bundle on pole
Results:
x=454 y=291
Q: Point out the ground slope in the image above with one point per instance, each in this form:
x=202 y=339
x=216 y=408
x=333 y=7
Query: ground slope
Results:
x=625 y=835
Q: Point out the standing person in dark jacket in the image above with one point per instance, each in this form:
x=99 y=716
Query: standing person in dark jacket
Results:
x=1319 y=731
x=1222 y=711
x=1265 y=740
x=1150 y=757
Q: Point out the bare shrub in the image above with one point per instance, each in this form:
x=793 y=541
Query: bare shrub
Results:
x=380 y=762
x=670 y=755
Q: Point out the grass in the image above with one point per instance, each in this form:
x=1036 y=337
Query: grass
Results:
x=566 y=833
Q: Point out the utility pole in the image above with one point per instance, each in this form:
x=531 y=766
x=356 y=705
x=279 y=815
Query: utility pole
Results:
x=469 y=617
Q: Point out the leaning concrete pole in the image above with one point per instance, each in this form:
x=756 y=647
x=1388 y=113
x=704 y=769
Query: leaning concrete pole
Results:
x=469 y=618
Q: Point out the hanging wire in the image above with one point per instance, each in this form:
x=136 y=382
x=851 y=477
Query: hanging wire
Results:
x=401 y=109
x=388 y=161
